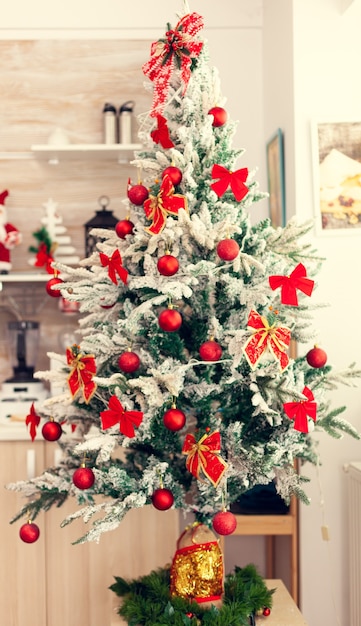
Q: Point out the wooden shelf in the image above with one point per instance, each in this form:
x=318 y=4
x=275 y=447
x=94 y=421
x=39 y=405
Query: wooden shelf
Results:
x=24 y=277
x=122 y=153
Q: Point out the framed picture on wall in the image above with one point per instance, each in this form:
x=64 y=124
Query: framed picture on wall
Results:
x=276 y=179
x=337 y=177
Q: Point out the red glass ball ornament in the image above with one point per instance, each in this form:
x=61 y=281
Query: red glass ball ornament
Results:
x=29 y=533
x=170 y=320
x=138 y=194
x=83 y=478
x=168 y=265
x=224 y=523
x=220 y=116
x=266 y=611
x=54 y=293
x=162 y=499
x=210 y=351
x=174 y=174
x=227 y=249
x=316 y=357
x=129 y=362
x=51 y=431
x=174 y=419
x=124 y=228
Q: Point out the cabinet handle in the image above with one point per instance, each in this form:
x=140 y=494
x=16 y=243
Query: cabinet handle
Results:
x=30 y=464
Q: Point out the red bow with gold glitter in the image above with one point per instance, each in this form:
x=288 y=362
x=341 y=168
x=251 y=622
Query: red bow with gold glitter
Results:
x=299 y=411
x=117 y=414
x=204 y=456
x=32 y=420
x=234 y=180
x=83 y=368
x=161 y=133
x=114 y=264
x=175 y=51
x=266 y=336
x=165 y=203
x=289 y=284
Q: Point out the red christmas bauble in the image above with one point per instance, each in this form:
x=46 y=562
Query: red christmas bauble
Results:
x=129 y=362
x=124 y=228
x=170 y=320
x=83 y=478
x=174 y=174
x=162 y=499
x=168 y=265
x=174 y=419
x=29 y=533
x=54 y=293
x=266 y=611
x=227 y=249
x=51 y=431
x=316 y=357
x=220 y=116
x=138 y=194
x=224 y=523
x=210 y=351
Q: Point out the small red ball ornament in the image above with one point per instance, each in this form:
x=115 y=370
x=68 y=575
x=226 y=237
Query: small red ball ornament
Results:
x=174 y=174
x=168 y=265
x=227 y=249
x=266 y=611
x=224 y=523
x=210 y=351
x=316 y=357
x=138 y=194
x=219 y=116
x=174 y=419
x=162 y=499
x=170 y=320
x=129 y=362
x=51 y=430
x=124 y=228
x=83 y=478
x=29 y=533
x=54 y=293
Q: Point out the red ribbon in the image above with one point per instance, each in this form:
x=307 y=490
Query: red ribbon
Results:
x=203 y=456
x=44 y=258
x=235 y=180
x=274 y=338
x=175 y=51
x=299 y=411
x=117 y=414
x=83 y=369
x=165 y=203
x=161 y=134
x=289 y=284
x=32 y=420
x=114 y=264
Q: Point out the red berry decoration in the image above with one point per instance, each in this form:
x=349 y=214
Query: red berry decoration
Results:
x=227 y=249
x=174 y=174
x=224 y=523
x=168 y=265
x=124 y=228
x=174 y=419
x=220 y=116
x=138 y=194
x=83 y=478
x=51 y=430
x=29 y=533
x=54 y=293
x=266 y=611
x=129 y=362
x=316 y=357
x=210 y=351
x=162 y=499
x=170 y=320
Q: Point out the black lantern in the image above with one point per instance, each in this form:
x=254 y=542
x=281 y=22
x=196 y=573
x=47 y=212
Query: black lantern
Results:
x=101 y=219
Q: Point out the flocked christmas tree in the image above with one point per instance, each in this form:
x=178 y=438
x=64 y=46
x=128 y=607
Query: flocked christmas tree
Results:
x=189 y=312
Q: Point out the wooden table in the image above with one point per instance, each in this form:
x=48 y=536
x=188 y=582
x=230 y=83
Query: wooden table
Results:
x=284 y=611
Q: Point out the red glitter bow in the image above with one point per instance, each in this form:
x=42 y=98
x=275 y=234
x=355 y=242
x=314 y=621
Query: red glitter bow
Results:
x=203 y=456
x=175 y=51
x=161 y=134
x=165 y=203
x=289 y=284
x=301 y=409
x=114 y=264
x=117 y=414
x=265 y=336
x=235 y=180
x=32 y=420
x=83 y=369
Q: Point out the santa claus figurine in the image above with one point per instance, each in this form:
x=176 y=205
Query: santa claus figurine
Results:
x=9 y=236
